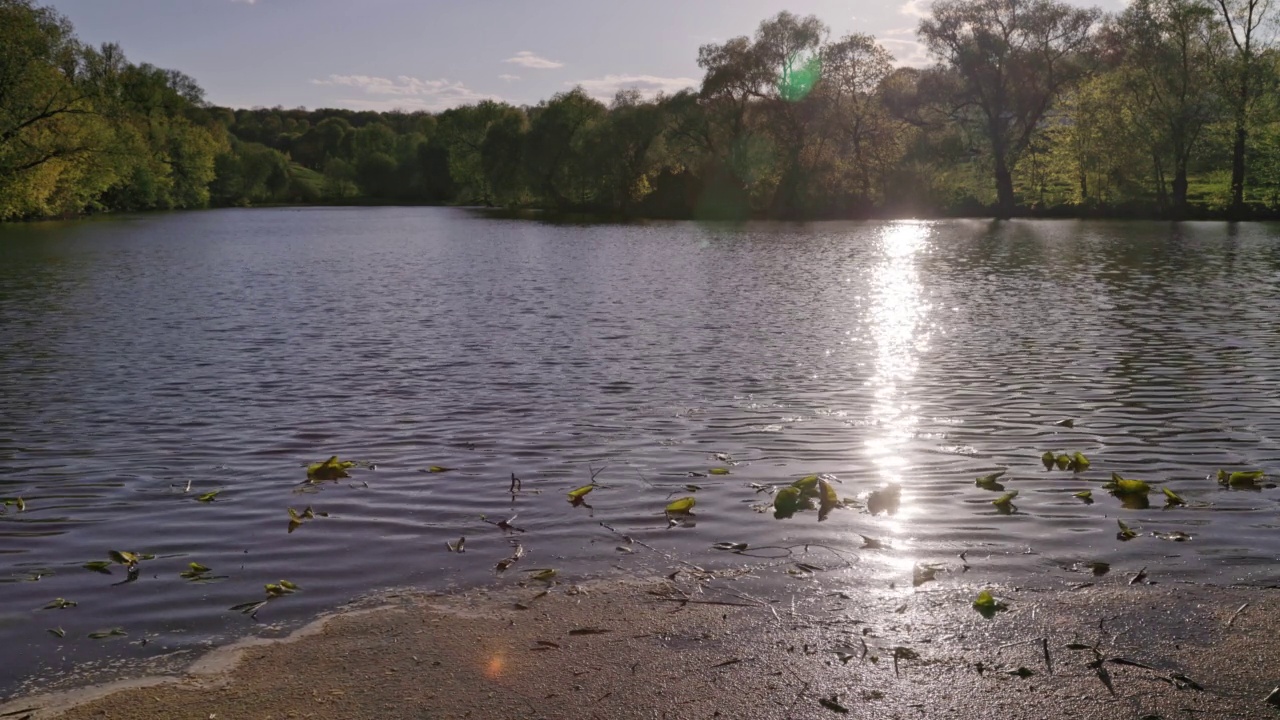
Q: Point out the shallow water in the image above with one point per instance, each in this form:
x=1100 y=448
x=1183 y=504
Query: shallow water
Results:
x=230 y=348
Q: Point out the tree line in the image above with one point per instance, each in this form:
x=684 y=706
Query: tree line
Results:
x=1169 y=108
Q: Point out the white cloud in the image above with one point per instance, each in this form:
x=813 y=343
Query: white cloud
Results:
x=508 y=78
x=246 y=2
x=907 y=52
x=899 y=31
x=914 y=8
x=649 y=85
x=404 y=92
x=528 y=59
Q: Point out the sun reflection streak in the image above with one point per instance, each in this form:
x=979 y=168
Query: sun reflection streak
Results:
x=896 y=321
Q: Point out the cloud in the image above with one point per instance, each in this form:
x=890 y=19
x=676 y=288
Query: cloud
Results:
x=899 y=31
x=508 y=78
x=246 y=2
x=528 y=59
x=404 y=92
x=649 y=85
x=914 y=8
x=907 y=52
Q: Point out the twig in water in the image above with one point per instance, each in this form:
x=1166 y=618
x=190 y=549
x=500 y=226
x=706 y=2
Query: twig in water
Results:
x=1048 y=663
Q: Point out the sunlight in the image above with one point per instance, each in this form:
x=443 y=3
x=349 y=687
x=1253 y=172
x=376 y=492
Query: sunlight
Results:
x=896 y=320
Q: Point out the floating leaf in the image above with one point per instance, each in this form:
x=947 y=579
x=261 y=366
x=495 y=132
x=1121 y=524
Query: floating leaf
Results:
x=457 y=547
x=1125 y=532
x=58 y=632
x=99 y=566
x=1240 y=478
x=870 y=543
x=1006 y=499
x=197 y=567
x=807 y=485
x=1048 y=459
x=1175 y=536
x=787 y=501
x=249 y=608
x=1079 y=463
x=833 y=704
x=719 y=471
x=734 y=547
x=195 y=571
x=828 y=500
x=507 y=562
x=331 y=469
x=921 y=574
x=723 y=457
x=1022 y=672
x=124 y=558
x=104 y=634
x=987 y=603
x=544 y=575
x=439 y=469
x=1084 y=495
x=988 y=482
x=683 y=505
x=1124 y=486
x=208 y=497
x=60 y=604
x=692 y=488
x=1172 y=498
x=288 y=585
x=886 y=499
x=577 y=495
x=1068 y=423
x=1063 y=462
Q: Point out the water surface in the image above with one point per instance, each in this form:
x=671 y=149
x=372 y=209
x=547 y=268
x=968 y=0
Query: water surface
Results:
x=230 y=348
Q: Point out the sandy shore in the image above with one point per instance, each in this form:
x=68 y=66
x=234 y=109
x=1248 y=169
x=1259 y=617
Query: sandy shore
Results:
x=698 y=646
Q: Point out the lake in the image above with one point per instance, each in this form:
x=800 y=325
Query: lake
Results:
x=228 y=349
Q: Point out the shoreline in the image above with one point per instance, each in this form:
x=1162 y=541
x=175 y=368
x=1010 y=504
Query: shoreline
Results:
x=699 y=644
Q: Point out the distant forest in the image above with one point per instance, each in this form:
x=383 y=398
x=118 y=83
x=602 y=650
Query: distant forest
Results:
x=1033 y=107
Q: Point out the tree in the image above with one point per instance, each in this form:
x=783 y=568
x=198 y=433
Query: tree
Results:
x=1169 y=51
x=556 y=157
x=1015 y=58
x=1245 y=76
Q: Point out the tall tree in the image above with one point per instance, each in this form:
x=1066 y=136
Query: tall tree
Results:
x=1245 y=22
x=1015 y=57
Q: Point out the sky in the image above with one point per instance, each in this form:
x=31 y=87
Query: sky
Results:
x=436 y=54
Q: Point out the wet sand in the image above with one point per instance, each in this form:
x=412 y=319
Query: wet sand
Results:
x=698 y=646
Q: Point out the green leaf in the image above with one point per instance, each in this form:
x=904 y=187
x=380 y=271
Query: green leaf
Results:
x=827 y=498
x=104 y=634
x=124 y=558
x=1079 y=463
x=58 y=632
x=288 y=585
x=986 y=601
x=1244 y=478
x=988 y=482
x=787 y=501
x=577 y=495
x=1124 y=486
x=1063 y=461
x=331 y=469
x=1172 y=498
x=1125 y=532
x=1048 y=459
x=99 y=566
x=60 y=604
x=198 y=568
x=1006 y=499
x=544 y=575
x=208 y=497
x=681 y=506
x=719 y=471
x=439 y=469
x=1084 y=495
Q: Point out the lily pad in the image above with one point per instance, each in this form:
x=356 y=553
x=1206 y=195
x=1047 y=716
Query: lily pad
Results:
x=787 y=501
x=681 y=506
x=719 y=471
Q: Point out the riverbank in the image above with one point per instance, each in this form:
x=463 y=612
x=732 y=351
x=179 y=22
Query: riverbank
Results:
x=700 y=645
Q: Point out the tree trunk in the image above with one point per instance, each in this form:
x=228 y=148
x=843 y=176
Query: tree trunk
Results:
x=1004 y=189
x=1237 y=164
x=1180 y=190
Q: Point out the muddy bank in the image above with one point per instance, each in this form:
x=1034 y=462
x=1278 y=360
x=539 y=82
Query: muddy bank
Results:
x=698 y=646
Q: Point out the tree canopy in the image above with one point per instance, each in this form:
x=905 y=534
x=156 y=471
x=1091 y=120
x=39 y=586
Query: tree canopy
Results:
x=1035 y=107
